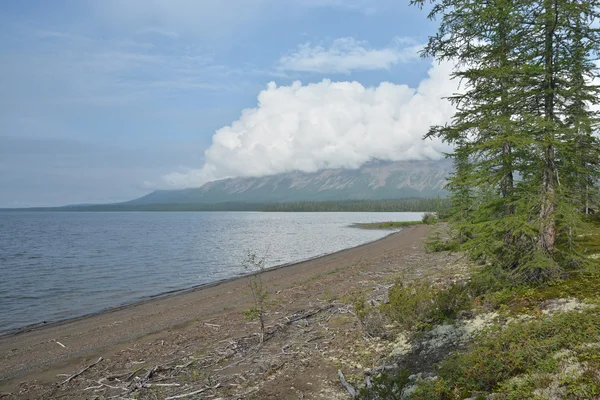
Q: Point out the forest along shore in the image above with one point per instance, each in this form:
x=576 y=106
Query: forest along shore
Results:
x=208 y=324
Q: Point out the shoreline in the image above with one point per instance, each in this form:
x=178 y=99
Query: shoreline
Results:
x=176 y=292
x=38 y=355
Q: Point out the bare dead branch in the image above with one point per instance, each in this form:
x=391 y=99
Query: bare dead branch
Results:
x=80 y=372
x=181 y=396
x=346 y=385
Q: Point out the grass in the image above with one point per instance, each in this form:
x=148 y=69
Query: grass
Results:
x=385 y=225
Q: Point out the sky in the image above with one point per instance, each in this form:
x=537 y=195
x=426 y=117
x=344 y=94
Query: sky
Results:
x=105 y=101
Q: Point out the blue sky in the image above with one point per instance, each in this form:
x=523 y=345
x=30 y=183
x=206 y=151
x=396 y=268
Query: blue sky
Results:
x=106 y=100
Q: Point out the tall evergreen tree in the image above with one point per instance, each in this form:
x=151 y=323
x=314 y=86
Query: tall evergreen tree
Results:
x=523 y=124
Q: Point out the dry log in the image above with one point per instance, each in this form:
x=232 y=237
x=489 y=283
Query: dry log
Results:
x=346 y=385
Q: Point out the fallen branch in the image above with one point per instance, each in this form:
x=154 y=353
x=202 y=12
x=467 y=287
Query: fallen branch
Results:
x=306 y=314
x=60 y=344
x=233 y=364
x=346 y=385
x=162 y=384
x=150 y=373
x=131 y=375
x=80 y=372
x=187 y=364
x=181 y=396
x=100 y=385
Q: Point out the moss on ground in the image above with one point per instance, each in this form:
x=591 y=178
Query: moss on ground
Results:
x=544 y=342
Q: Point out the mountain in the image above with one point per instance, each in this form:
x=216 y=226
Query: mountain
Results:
x=377 y=180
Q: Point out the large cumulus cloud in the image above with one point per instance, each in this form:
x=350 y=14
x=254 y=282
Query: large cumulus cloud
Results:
x=328 y=125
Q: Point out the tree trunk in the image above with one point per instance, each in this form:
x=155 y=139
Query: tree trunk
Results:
x=547 y=233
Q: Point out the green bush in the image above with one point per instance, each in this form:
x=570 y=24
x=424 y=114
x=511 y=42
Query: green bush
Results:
x=371 y=318
x=410 y=303
x=417 y=305
x=451 y=300
x=435 y=243
x=386 y=386
x=429 y=218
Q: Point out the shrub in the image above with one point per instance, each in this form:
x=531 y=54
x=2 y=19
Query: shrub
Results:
x=436 y=243
x=255 y=266
x=386 y=386
x=429 y=218
x=371 y=318
x=410 y=303
x=451 y=300
x=417 y=305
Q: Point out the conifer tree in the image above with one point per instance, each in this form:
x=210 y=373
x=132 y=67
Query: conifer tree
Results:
x=523 y=124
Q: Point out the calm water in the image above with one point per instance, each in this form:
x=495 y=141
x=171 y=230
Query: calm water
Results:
x=62 y=265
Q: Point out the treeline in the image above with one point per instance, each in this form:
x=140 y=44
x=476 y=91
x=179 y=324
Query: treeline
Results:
x=175 y=207
x=399 y=205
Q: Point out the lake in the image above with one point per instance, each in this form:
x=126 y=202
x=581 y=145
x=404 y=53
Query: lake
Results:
x=59 y=265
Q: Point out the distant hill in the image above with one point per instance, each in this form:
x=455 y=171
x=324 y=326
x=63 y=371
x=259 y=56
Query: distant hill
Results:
x=374 y=181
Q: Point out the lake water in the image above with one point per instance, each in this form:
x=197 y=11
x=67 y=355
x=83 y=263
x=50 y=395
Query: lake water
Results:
x=58 y=265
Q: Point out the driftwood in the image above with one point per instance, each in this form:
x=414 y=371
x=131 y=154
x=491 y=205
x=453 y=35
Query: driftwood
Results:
x=306 y=314
x=162 y=384
x=150 y=373
x=101 y=385
x=233 y=364
x=346 y=385
x=80 y=372
x=187 y=364
x=131 y=375
x=181 y=396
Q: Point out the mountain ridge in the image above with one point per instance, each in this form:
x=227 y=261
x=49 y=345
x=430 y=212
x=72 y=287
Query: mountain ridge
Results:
x=376 y=180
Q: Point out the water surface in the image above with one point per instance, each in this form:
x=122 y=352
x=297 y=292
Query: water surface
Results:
x=57 y=265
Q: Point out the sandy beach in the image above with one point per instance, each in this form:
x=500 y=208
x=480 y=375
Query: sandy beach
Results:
x=185 y=327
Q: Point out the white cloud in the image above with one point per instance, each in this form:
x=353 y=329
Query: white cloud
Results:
x=327 y=125
x=347 y=54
